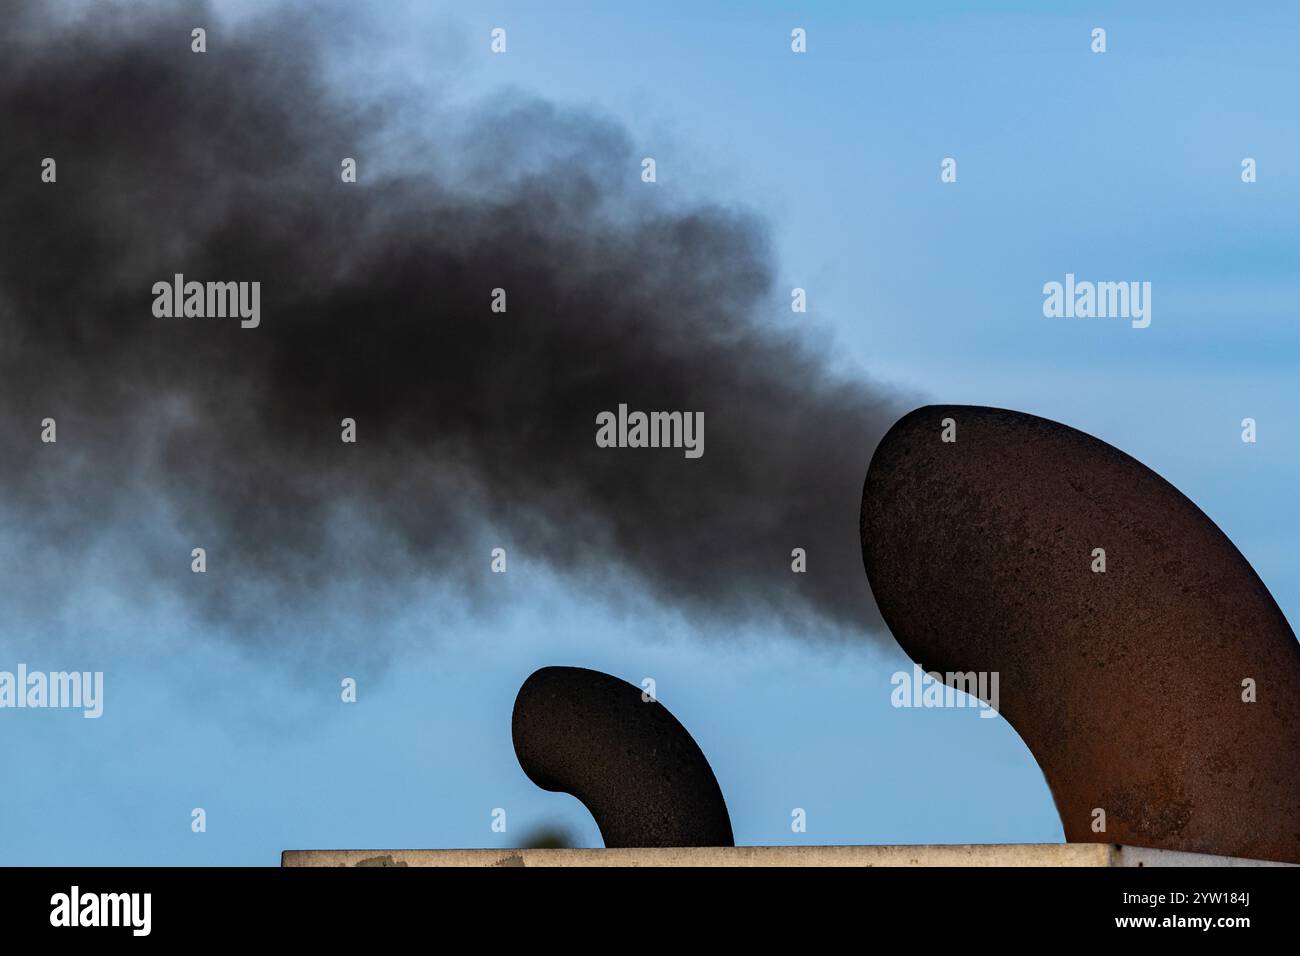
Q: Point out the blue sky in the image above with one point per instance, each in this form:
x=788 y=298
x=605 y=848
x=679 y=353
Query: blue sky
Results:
x=1124 y=165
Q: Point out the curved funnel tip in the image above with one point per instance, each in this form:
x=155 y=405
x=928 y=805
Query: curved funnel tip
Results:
x=629 y=761
x=1139 y=656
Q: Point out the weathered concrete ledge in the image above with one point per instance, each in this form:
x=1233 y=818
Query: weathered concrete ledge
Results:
x=994 y=854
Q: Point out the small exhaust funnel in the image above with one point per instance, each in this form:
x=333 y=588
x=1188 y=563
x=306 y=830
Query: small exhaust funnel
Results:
x=629 y=761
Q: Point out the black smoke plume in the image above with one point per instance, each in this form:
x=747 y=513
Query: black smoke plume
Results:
x=473 y=427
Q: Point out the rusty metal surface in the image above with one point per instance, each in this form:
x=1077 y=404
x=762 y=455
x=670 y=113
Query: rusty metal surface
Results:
x=1126 y=685
x=629 y=761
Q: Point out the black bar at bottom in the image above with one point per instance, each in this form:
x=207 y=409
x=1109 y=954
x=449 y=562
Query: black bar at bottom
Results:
x=466 y=908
